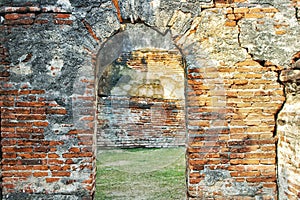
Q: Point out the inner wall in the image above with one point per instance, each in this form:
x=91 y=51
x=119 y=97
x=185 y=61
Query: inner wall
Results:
x=141 y=100
x=140 y=91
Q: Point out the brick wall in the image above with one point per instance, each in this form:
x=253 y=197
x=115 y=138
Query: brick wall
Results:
x=288 y=151
x=42 y=151
x=234 y=52
x=233 y=147
x=141 y=101
x=31 y=152
x=140 y=122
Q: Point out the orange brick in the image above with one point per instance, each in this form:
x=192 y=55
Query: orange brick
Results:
x=247 y=63
x=254 y=15
x=236 y=168
x=262 y=179
x=269 y=10
x=254 y=10
x=241 y=10
x=245 y=174
x=268 y=173
x=280 y=32
x=260 y=155
x=231 y=16
x=244 y=161
x=230 y=23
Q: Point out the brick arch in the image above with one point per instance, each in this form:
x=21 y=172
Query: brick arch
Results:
x=202 y=79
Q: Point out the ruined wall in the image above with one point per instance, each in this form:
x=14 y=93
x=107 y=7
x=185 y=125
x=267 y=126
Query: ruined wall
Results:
x=140 y=122
x=141 y=100
x=235 y=52
x=288 y=134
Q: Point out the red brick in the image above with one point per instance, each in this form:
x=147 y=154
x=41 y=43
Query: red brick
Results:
x=5 y=142
x=29 y=130
x=63 y=22
x=77 y=155
x=43 y=149
x=30 y=104
x=19 y=22
x=11 y=16
x=16 y=149
x=16 y=110
x=74 y=149
x=37 y=91
x=9 y=155
x=52 y=180
x=30 y=117
x=32 y=155
x=59 y=168
x=53 y=155
x=40 y=123
x=38 y=110
x=40 y=174
x=16 y=135
x=55 y=162
x=58 y=111
x=62 y=15
x=60 y=173
x=16 y=174
x=54 y=143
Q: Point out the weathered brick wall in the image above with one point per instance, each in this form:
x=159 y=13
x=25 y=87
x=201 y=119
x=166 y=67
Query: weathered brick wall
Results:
x=232 y=149
x=140 y=122
x=44 y=155
x=234 y=52
x=141 y=100
x=288 y=134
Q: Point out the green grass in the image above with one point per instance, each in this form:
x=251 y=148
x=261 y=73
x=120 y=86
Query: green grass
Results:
x=150 y=174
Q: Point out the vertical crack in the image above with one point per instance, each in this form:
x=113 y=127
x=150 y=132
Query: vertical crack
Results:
x=276 y=129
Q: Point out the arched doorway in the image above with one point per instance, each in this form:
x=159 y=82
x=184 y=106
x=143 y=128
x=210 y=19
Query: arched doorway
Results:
x=141 y=104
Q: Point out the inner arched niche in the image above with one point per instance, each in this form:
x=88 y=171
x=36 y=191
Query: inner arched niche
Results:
x=141 y=82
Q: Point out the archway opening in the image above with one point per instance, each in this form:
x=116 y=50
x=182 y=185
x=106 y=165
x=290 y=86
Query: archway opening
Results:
x=141 y=121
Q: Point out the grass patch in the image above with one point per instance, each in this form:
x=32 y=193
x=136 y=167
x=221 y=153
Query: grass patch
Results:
x=150 y=174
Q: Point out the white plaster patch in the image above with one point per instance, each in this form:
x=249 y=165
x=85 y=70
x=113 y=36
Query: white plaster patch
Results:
x=155 y=4
x=22 y=68
x=64 y=3
x=55 y=66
